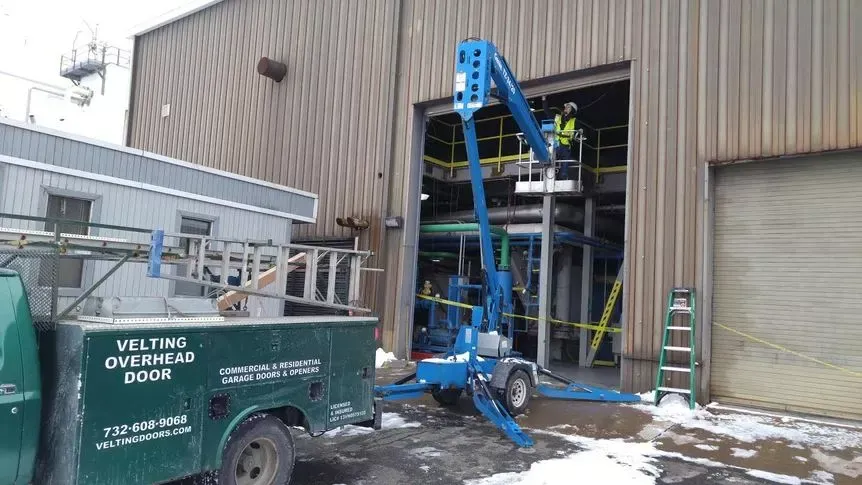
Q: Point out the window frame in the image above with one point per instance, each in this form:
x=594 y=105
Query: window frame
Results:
x=88 y=269
x=214 y=228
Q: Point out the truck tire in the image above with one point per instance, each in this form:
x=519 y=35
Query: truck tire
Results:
x=446 y=397
x=516 y=396
x=260 y=451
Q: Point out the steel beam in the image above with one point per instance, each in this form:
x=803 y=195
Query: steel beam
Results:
x=586 y=280
x=546 y=265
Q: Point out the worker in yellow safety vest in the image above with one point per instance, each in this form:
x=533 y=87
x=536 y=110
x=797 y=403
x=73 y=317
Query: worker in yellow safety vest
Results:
x=564 y=132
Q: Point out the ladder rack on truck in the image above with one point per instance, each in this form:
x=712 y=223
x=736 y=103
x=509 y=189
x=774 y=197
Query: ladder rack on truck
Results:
x=233 y=269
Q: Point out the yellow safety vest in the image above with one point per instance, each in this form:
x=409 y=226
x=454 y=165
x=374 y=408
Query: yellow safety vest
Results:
x=569 y=129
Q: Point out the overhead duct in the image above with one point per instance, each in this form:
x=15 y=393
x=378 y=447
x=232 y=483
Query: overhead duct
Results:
x=565 y=215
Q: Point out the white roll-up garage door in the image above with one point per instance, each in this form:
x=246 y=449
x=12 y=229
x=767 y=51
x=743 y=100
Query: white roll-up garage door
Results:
x=787 y=269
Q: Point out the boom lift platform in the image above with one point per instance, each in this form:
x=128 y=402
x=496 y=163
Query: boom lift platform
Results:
x=481 y=361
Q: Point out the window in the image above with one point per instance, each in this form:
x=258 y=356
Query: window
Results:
x=191 y=225
x=70 y=271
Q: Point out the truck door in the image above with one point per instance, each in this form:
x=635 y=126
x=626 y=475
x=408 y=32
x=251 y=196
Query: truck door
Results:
x=11 y=389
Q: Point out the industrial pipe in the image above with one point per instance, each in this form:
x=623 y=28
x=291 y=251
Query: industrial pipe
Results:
x=272 y=69
x=564 y=215
x=438 y=255
x=473 y=227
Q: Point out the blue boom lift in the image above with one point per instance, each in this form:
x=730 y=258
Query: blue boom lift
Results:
x=481 y=361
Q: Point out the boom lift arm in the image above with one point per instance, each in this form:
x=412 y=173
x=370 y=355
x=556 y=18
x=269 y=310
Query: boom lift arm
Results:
x=478 y=62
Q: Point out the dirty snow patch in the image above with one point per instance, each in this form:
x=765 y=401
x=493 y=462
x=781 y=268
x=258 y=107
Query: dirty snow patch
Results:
x=465 y=357
x=743 y=453
x=800 y=458
x=591 y=465
x=775 y=477
x=822 y=477
x=707 y=447
x=388 y=421
x=750 y=428
x=394 y=420
x=383 y=357
x=426 y=452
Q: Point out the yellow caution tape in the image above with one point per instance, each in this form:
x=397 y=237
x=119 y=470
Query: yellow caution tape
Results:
x=789 y=351
x=534 y=319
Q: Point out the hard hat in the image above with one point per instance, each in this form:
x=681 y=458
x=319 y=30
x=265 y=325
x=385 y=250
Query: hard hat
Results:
x=573 y=105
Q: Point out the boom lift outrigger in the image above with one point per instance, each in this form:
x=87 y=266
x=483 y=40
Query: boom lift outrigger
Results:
x=481 y=360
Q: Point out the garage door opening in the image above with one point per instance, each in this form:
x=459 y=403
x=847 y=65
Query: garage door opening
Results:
x=786 y=270
x=449 y=264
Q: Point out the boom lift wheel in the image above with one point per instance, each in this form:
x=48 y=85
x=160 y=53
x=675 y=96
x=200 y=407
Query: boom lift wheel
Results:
x=446 y=397
x=516 y=396
x=260 y=451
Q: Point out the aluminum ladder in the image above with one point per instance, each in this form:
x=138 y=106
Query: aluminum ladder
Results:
x=263 y=268
x=610 y=304
x=680 y=302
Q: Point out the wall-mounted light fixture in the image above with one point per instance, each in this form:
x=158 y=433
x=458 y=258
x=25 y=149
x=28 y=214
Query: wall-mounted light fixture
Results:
x=393 y=222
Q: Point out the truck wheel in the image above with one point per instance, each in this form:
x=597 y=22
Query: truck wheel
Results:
x=516 y=396
x=446 y=397
x=260 y=451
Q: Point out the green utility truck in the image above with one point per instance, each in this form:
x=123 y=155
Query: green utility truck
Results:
x=147 y=391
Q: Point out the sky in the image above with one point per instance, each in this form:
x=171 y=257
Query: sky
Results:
x=35 y=33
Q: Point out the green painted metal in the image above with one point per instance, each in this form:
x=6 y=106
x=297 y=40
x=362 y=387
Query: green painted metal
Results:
x=31 y=412
x=163 y=412
x=11 y=376
x=687 y=297
x=505 y=247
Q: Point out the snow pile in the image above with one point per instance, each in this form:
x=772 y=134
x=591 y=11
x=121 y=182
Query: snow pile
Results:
x=589 y=466
x=394 y=420
x=743 y=453
x=775 y=477
x=706 y=447
x=452 y=358
x=383 y=357
x=750 y=428
x=387 y=421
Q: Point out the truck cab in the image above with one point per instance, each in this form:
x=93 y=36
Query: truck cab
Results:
x=20 y=386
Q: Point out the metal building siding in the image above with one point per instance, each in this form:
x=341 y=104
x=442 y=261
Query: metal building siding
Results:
x=787 y=269
x=62 y=151
x=23 y=192
x=716 y=80
x=322 y=129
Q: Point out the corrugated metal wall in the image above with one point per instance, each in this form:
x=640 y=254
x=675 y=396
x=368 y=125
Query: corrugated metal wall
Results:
x=321 y=129
x=69 y=152
x=23 y=191
x=710 y=80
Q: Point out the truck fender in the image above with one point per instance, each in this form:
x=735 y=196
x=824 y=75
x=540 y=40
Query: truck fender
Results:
x=506 y=366
x=239 y=419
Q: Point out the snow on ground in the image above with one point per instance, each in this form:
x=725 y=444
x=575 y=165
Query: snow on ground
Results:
x=706 y=447
x=388 y=421
x=427 y=452
x=622 y=462
x=383 y=357
x=750 y=428
x=742 y=452
x=775 y=477
x=589 y=466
